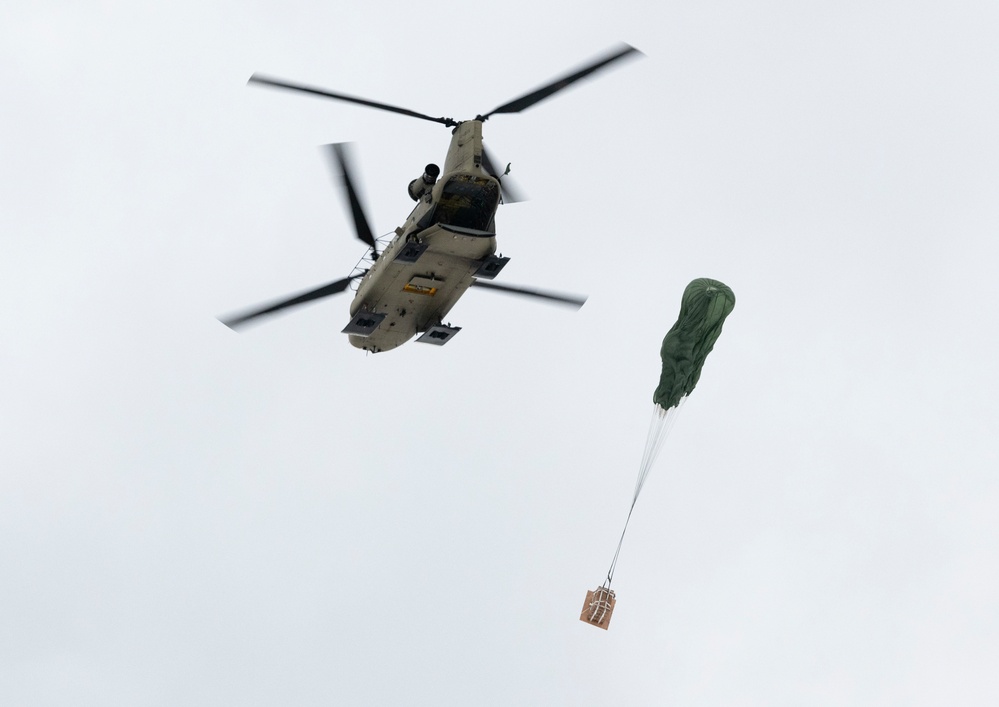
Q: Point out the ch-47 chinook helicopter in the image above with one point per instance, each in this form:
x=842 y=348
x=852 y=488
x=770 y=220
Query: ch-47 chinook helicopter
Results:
x=447 y=244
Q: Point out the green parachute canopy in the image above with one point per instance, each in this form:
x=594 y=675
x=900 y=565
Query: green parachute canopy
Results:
x=703 y=309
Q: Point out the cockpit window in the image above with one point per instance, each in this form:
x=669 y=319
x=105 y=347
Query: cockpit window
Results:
x=468 y=201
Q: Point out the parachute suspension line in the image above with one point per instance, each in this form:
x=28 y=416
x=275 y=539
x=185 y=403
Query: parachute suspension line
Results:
x=659 y=429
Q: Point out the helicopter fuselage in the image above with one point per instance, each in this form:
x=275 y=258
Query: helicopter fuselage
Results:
x=446 y=242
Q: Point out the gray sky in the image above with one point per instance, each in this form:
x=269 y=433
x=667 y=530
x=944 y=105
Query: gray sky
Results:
x=194 y=517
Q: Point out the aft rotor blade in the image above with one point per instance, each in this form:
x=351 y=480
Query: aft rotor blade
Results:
x=526 y=101
x=575 y=301
x=341 y=162
x=510 y=194
x=302 y=88
x=325 y=291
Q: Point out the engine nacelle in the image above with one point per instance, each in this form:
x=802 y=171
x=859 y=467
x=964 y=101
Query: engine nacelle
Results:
x=421 y=185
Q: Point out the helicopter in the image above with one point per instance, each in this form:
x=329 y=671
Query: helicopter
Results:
x=408 y=281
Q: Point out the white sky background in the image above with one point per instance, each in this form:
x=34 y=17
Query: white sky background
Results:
x=194 y=517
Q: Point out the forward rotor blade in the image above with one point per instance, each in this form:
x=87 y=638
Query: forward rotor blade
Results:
x=509 y=193
x=526 y=101
x=341 y=165
x=325 y=291
x=572 y=300
x=302 y=88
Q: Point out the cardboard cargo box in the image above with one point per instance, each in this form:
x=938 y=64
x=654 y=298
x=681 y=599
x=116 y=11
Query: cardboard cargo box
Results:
x=598 y=607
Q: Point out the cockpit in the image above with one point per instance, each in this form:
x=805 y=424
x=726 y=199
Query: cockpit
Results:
x=468 y=201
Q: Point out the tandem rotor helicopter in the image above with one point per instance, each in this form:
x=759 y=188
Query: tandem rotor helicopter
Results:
x=446 y=245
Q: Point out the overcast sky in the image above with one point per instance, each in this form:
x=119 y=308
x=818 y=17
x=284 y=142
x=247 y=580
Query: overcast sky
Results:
x=190 y=516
